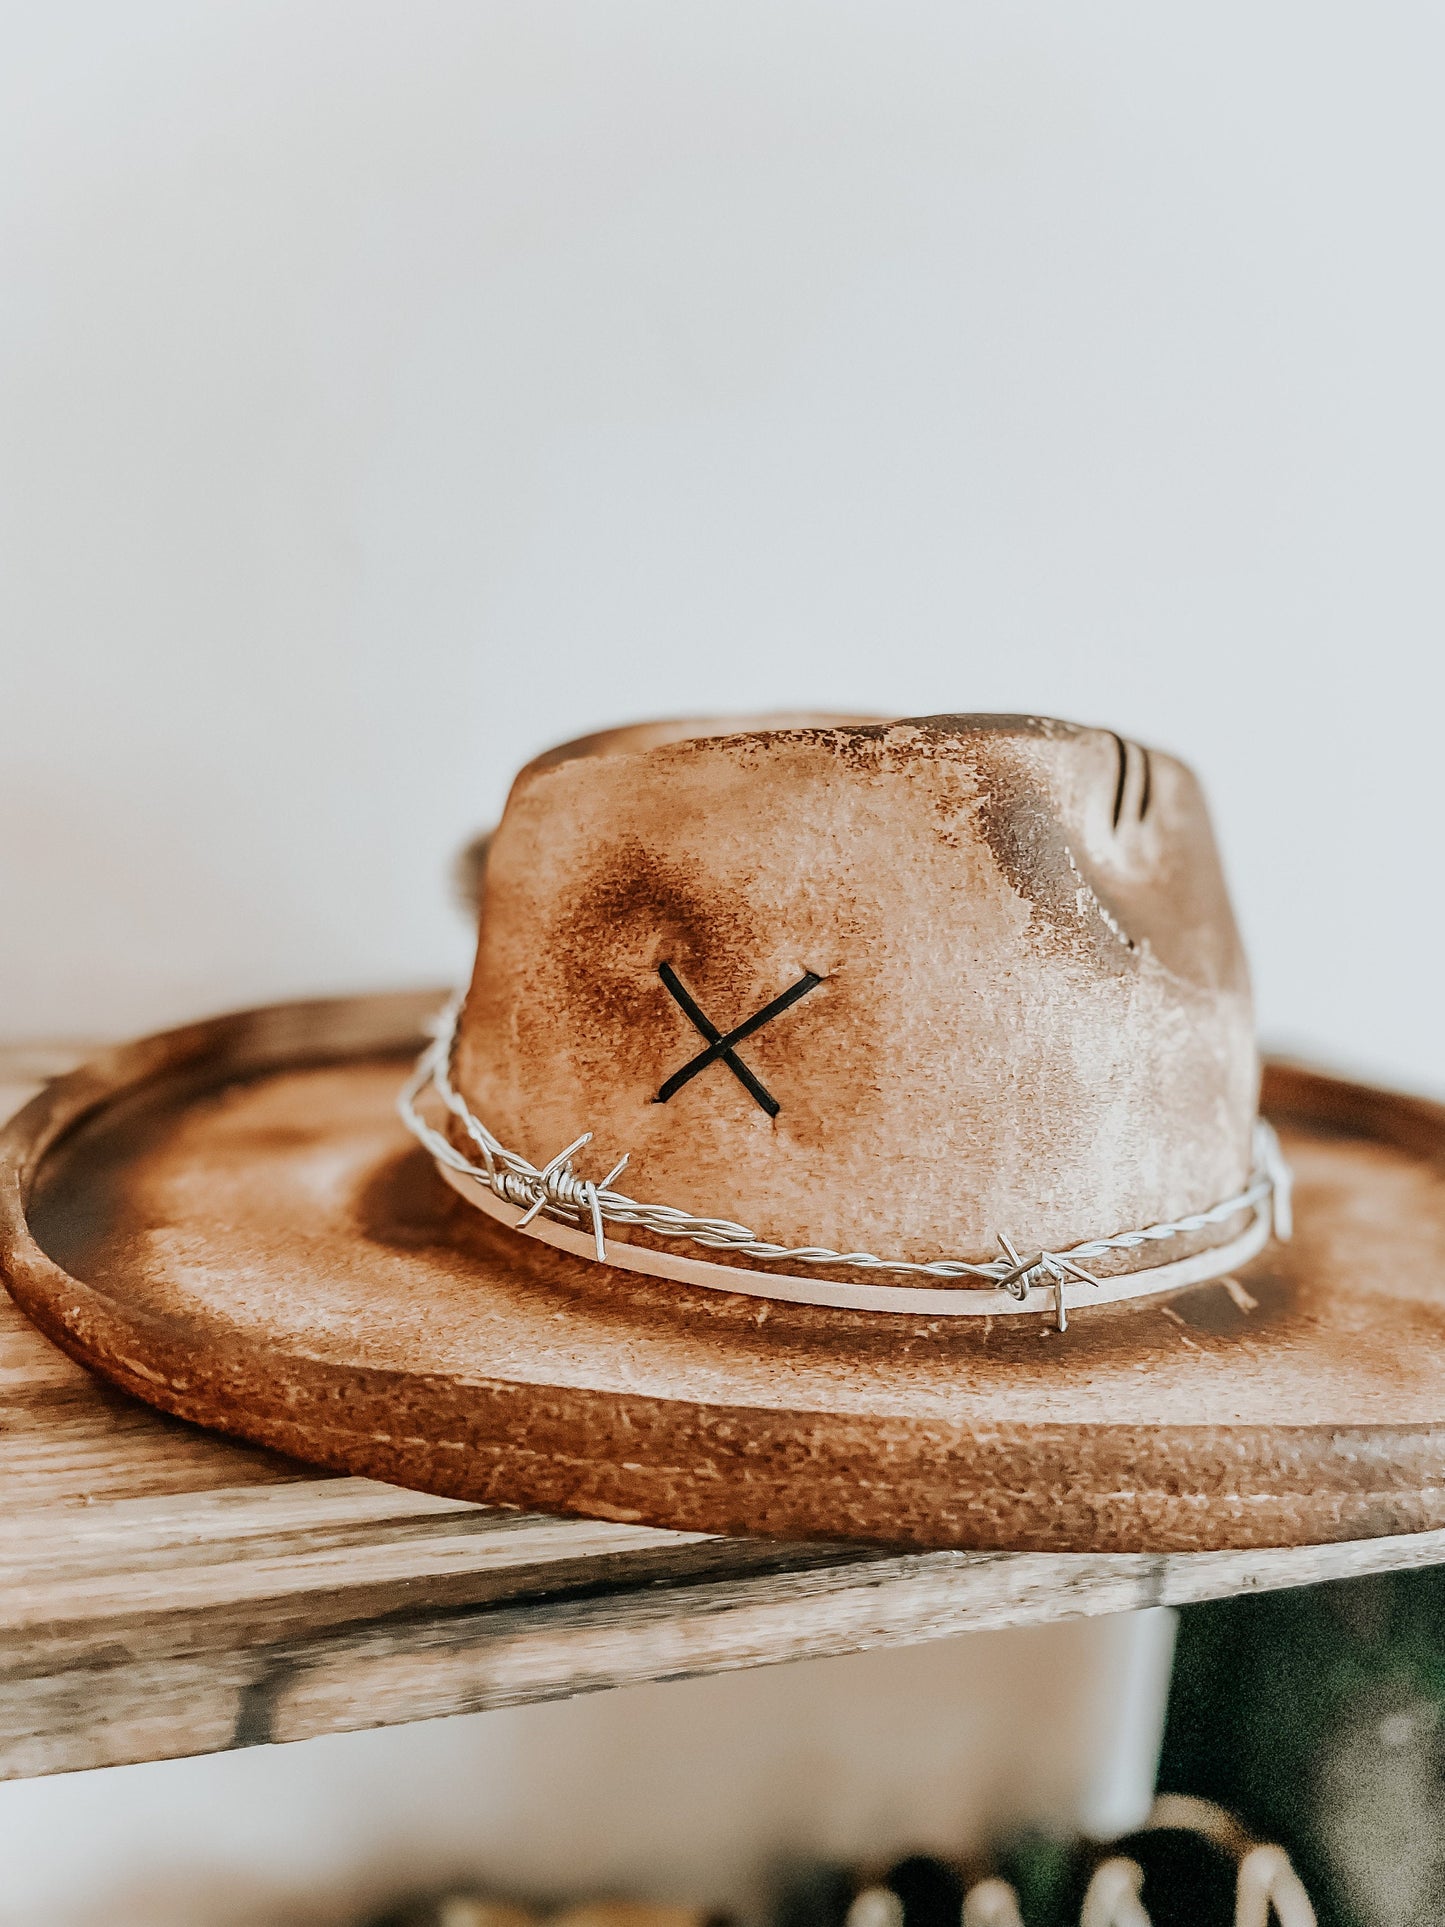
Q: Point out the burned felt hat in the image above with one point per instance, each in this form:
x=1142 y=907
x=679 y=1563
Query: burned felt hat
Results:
x=812 y=1073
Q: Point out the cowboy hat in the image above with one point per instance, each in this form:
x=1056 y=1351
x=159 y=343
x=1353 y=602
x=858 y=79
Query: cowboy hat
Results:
x=850 y=1129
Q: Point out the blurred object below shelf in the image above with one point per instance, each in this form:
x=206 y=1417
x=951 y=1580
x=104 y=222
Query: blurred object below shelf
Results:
x=1192 y=1864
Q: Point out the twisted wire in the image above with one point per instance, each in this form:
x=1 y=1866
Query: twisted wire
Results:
x=556 y=1190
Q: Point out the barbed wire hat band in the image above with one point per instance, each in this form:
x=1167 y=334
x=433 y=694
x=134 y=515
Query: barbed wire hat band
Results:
x=573 y=1214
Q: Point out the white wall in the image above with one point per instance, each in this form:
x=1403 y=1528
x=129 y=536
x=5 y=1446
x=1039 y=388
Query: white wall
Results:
x=391 y=390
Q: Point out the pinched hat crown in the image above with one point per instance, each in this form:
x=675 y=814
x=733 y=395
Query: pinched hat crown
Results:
x=903 y=989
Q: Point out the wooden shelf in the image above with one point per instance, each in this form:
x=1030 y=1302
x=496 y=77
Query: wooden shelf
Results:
x=165 y=1592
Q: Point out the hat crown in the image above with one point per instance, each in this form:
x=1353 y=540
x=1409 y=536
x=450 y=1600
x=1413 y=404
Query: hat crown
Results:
x=984 y=968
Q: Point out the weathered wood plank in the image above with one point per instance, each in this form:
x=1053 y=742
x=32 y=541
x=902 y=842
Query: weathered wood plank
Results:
x=188 y=1581
x=434 y=1664
x=114 y=1715
x=380 y=1675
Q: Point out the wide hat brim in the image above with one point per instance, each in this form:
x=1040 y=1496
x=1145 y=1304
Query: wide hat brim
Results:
x=229 y=1222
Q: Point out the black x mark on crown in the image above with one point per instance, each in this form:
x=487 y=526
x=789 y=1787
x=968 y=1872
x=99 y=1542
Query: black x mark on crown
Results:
x=720 y=1047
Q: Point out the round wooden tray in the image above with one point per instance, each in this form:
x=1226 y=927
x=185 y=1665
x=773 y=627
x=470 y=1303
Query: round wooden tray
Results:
x=229 y=1222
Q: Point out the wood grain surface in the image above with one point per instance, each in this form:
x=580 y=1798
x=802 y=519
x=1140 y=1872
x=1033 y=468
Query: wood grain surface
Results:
x=165 y=1591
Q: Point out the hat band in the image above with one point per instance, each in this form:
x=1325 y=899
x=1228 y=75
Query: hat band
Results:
x=551 y=1203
